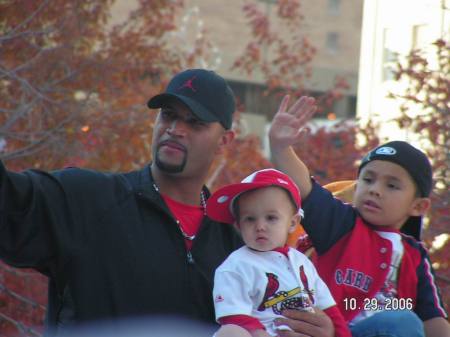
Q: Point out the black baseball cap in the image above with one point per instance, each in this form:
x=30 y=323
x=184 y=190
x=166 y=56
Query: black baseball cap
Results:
x=204 y=92
x=416 y=163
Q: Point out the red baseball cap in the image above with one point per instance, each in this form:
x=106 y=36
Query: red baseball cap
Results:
x=220 y=205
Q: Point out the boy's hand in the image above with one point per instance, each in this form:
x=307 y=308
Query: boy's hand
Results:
x=287 y=125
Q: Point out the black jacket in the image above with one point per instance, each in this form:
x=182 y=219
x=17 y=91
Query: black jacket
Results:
x=109 y=245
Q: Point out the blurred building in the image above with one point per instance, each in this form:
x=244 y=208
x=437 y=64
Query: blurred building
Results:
x=391 y=29
x=333 y=27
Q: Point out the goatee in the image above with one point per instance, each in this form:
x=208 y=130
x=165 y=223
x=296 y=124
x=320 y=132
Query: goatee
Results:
x=170 y=168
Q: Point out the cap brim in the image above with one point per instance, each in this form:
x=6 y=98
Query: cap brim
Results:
x=197 y=109
x=219 y=206
x=413 y=227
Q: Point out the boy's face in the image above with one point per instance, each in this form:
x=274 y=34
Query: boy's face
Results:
x=266 y=216
x=386 y=195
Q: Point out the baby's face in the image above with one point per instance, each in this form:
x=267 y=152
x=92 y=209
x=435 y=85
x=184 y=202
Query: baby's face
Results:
x=266 y=217
x=385 y=194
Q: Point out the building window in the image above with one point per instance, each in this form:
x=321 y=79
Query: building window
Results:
x=334 y=7
x=253 y=99
x=332 y=42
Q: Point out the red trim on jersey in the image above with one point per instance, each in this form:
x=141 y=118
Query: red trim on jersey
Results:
x=340 y=326
x=249 y=323
x=283 y=250
x=435 y=292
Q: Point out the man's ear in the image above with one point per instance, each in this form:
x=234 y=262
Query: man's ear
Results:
x=420 y=206
x=225 y=139
x=295 y=220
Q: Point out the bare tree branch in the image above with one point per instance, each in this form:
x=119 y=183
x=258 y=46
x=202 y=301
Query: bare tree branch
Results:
x=29 y=19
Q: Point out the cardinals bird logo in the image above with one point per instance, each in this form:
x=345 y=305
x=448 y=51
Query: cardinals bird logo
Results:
x=304 y=280
x=279 y=300
x=271 y=289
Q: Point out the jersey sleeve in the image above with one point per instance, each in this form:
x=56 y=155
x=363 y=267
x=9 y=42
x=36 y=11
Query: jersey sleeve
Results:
x=326 y=219
x=340 y=326
x=248 y=323
x=231 y=294
x=429 y=301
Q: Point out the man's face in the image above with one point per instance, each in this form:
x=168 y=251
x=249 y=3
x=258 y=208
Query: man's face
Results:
x=184 y=144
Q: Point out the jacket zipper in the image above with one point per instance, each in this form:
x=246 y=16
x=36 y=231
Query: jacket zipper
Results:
x=190 y=258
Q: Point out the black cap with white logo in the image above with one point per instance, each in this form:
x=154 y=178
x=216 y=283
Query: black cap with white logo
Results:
x=416 y=163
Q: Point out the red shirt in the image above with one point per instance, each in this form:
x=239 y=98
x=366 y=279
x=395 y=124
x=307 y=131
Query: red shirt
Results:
x=188 y=218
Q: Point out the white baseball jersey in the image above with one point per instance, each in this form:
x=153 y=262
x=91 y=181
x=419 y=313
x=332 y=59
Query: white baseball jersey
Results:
x=262 y=284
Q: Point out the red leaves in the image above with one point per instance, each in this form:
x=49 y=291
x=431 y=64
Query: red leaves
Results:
x=240 y=160
x=279 y=50
x=61 y=68
x=289 y=9
x=22 y=302
x=331 y=154
x=259 y=23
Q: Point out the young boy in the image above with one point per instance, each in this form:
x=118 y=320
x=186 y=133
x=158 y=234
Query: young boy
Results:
x=381 y=279
x=260 y=280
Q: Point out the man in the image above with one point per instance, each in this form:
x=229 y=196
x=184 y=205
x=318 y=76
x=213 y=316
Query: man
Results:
x=125 y=245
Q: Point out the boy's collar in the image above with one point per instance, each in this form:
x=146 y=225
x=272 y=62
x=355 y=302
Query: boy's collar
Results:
x=412 y=227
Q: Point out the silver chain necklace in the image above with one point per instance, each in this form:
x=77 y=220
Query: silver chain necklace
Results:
x=202 y=204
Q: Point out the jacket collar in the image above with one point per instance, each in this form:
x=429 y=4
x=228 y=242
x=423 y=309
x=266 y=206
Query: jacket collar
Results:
x=146 y=185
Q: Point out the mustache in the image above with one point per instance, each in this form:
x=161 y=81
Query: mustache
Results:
x=171 y=142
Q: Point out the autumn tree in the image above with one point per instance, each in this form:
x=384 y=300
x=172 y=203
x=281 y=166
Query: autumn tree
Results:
x=73 y=81
x=44 y=72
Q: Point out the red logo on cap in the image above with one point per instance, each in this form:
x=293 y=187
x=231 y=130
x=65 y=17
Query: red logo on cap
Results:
x=188 y=84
